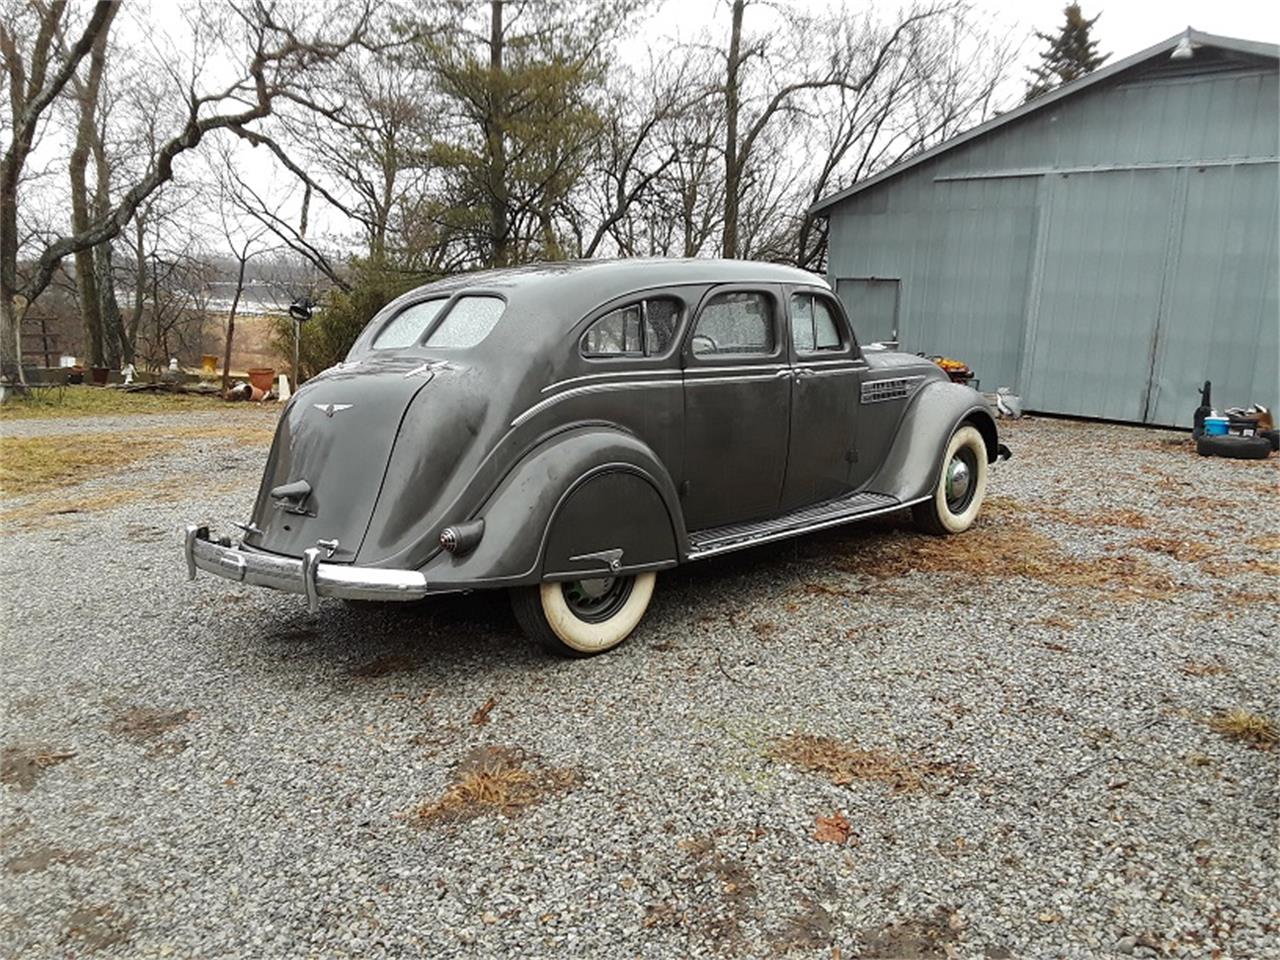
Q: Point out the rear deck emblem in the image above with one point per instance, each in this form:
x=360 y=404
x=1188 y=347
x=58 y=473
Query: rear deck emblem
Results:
x=329 y=409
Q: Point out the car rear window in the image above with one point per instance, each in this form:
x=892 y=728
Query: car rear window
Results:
x=408 y=326
x=468 y=321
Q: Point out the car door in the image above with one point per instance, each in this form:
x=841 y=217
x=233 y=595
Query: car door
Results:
x=826 y=373
x=737 y=407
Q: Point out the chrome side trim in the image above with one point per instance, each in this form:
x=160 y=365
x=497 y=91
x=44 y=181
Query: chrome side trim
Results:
x=582 y=391
x=310 y=577
x=744 y=368
x=648 y=372
x=832 y=372
x=777 y=375
x=796 y=531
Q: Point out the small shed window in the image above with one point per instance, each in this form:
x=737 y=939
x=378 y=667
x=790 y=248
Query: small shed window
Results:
x=469 y=321
x=813 y=325
x=642 y=329
x=407 y=327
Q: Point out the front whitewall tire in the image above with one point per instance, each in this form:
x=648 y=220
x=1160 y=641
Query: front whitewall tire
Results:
x=936 y=514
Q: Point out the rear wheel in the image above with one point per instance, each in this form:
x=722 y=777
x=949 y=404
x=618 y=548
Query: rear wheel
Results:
x=581 y=618
x=961 y=487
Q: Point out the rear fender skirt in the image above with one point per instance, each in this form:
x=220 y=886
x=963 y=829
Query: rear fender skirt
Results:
x=602 y=463
x=914 y=461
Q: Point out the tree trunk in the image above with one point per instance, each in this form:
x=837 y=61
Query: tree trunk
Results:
x=10 y=317
x=117 y=344
x=139 y=284
x=86 y=279
x=81 y=215
x=495 y=124
x=231 y=327
x=732 y=169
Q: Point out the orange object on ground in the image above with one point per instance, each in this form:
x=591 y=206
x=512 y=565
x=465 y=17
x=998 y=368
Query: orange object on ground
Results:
x=264 y=378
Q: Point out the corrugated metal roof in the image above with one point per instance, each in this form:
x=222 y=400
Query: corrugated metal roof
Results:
x=1198 y=39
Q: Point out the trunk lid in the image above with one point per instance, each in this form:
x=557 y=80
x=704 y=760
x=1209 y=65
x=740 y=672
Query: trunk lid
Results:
x=330 y=456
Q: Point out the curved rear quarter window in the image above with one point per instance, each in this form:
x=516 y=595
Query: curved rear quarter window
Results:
x=470 y=320
x=408 y=326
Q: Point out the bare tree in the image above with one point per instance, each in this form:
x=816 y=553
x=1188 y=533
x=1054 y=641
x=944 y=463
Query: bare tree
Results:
x=243 y=248
x=279 y=47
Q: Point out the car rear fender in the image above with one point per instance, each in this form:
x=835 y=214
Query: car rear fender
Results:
x=591 y=500
x=911 y=468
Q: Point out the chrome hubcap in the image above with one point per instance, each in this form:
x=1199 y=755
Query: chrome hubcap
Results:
x=596 y=599
x=958 y=479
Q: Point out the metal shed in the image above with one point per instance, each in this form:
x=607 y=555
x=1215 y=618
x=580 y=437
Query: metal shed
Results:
x=1101 y=250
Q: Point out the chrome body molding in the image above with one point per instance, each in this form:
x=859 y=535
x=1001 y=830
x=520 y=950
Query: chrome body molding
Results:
x=310 y=576
x=888 y=388
x=590 y=388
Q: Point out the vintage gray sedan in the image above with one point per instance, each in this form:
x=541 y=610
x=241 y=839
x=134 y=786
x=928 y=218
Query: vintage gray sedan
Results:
x=566 y=431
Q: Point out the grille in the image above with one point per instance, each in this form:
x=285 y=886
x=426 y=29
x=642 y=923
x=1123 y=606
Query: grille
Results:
x=895 y=388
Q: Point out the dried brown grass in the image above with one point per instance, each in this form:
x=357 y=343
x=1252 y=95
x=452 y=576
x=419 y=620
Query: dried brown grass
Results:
x=1010 y=549
x=1245 y=727
x=64 y=506
x=30 y=465
x=1194 y=669
x=36 y=464
x=493 y=780
x=844 y=762
x=1186 y=551
x=1097 y=519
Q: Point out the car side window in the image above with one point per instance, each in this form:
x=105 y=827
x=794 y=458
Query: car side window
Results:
x=643 y=329
x=813 y=326
x=407 y=327
x=740 y=322
x=469 y=321
x=616 y=334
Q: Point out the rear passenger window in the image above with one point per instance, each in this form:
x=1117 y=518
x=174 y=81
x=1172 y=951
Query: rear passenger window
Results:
x=642 y=329
x=814 y=327
x=736 y=323
x=408 y=325
x=468 y=321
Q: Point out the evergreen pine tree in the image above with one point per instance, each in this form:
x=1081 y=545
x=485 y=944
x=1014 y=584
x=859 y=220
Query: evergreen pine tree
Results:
x=1070 y=54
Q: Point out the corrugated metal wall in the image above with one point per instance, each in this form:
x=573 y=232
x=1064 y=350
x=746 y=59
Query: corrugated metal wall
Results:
x=1102 y=256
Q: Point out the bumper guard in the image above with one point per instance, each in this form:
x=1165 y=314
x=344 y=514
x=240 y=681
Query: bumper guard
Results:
x=309 y=576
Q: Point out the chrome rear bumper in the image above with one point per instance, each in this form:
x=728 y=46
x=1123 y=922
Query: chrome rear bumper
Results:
x=309 y=576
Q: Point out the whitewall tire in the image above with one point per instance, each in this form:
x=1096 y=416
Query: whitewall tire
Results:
x=961 y=486
x=582 y=618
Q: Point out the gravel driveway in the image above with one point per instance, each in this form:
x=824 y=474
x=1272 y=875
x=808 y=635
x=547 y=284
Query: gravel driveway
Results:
x=863 y=743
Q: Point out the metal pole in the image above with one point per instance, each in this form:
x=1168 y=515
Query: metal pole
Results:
x=297 y=335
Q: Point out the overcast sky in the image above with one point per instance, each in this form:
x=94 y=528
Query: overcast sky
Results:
x=1123 y=28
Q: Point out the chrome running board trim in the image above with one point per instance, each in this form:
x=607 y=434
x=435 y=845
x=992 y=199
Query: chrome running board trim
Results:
x=739 y=536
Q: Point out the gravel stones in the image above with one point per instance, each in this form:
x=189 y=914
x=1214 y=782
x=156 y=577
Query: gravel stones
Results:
x=241 y=779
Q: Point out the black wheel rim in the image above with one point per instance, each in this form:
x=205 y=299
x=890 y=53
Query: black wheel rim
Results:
x=596 y=599
x=961 y=480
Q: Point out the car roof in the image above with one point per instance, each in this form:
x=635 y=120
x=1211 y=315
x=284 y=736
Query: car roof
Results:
x=596 y=281
x=545 y=300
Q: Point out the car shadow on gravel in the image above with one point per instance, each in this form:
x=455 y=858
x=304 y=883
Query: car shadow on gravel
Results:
x=456 y=631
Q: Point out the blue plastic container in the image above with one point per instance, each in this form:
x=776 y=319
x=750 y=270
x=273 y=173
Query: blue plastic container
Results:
x=1215 y=426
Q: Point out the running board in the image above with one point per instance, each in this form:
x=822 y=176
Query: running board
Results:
x=736 y=536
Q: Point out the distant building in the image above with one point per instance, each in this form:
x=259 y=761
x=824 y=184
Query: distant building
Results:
x=1101 y=250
